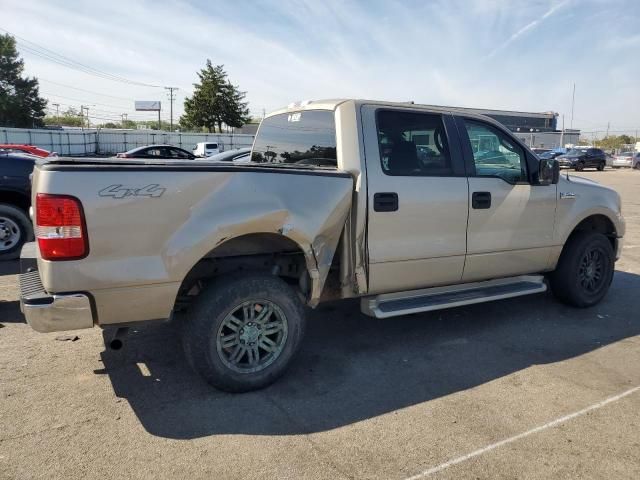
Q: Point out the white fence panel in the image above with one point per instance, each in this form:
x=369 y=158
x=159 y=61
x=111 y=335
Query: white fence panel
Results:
x=110 y=142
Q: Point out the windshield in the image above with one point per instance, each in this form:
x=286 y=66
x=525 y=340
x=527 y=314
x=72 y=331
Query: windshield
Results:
x=304 y=138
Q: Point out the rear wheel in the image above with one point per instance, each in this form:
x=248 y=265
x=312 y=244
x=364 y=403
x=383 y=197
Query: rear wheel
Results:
x=15 y=230
x=585 y=270
x=242 y=334
x=601 y=166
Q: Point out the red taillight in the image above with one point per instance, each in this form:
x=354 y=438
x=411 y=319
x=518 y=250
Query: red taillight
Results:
x=60 y=228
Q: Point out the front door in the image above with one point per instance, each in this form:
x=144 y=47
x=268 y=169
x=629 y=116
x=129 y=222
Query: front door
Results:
x=511 y=221
x=417 y=199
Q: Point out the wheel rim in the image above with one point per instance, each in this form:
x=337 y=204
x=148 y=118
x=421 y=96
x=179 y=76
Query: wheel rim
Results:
x=9 y=234
x=252 y=336
x=591 y=273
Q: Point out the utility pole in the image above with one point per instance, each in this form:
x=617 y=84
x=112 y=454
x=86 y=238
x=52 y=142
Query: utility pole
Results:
x=562 y=133
x=57 y=105
x=171 y=98
x=573 y=101
x=124 y=118
x=608 y=125
x=82 y=109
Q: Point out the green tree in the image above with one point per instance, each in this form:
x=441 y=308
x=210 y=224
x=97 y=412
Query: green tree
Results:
x=20 y=102
x=70 y=118
x=215 y=101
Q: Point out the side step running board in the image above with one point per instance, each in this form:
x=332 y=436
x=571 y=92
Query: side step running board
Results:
x=436 y=298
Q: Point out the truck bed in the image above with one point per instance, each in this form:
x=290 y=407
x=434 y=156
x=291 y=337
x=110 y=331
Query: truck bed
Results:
x=93 y=164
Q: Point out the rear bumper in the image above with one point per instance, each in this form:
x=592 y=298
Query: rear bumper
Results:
x=46 y=312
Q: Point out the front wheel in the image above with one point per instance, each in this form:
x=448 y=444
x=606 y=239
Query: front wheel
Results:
x=601 y=166
x=579 y=166
x=585 y=270
x=242 y=334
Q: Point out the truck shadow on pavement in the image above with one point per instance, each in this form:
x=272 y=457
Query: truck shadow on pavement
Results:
x=352 y=367
x=10 y=267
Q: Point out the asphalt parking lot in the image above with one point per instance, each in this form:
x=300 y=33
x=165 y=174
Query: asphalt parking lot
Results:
x=522 y=388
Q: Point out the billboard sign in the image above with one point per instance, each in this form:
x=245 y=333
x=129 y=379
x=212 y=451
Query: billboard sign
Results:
x=147 y=106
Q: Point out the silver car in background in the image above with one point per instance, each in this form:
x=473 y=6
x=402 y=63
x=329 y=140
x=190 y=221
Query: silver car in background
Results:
x=626 y=159
x=238 y=155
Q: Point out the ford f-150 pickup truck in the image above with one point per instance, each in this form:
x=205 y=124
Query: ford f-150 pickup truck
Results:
x=409 y=208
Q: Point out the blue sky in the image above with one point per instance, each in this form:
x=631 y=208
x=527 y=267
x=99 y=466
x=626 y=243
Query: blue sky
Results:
x=517 y=55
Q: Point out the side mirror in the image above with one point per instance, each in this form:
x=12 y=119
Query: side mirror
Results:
x=548 y=172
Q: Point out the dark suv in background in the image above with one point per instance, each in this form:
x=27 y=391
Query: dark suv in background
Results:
x=15 y=200
x=580 y=158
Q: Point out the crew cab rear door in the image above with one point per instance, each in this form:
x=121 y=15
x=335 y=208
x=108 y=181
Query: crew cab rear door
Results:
x=417 y=198
x=511 y=220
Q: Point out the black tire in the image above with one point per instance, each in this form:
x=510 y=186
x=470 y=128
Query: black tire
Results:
x=568 y=280
x=579 y=166
x=601 y=166
x=209 y=317
x=15 y=230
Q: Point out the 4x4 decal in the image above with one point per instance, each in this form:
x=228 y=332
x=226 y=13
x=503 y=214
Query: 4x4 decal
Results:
x=119 y=191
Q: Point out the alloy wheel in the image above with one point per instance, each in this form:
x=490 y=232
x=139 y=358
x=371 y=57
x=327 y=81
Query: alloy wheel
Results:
x=252 y=336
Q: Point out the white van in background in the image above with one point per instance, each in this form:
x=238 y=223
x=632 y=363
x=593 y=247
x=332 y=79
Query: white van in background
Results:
x=206 y=149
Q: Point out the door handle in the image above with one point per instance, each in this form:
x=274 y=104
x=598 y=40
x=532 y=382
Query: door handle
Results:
x=385 y=202
x=481 y=200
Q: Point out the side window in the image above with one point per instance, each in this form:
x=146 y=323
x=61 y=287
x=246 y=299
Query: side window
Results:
x=413 y=144
x=495 y=154
x=154 y=152
x=176 y=153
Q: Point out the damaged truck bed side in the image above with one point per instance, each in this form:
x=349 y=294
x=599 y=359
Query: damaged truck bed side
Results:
x=412 y=208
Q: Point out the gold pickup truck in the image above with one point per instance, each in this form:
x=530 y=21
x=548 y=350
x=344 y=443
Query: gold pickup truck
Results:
x=410 y=208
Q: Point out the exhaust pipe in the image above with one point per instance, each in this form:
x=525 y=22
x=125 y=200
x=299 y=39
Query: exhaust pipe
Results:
x=117 y=341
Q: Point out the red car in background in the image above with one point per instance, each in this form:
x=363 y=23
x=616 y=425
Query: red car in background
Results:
x=37 y=151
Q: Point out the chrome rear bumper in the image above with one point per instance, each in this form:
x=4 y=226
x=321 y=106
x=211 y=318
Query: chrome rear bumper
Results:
x=46 y=312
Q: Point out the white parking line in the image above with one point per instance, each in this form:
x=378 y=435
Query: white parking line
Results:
x=506 y=441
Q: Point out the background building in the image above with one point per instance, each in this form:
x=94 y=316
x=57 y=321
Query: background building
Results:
x=539 y=130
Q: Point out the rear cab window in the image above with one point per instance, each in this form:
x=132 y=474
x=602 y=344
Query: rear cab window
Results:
x=413 y=144
x=306 y=137
x=211 y=145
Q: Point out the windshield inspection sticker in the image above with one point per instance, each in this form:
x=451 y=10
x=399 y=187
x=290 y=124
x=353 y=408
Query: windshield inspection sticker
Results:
x=118 y=191
x=294 y=117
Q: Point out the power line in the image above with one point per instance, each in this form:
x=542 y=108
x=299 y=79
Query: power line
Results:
x=83 y=90
x=80 y=100
x=55 y=57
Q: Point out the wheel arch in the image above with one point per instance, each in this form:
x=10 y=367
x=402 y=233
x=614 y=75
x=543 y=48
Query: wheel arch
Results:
x=16 y=199
x=259 y=251
x=599 y=221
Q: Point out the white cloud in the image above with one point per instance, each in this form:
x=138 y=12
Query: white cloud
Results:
x=529 y=26
x=280 y=51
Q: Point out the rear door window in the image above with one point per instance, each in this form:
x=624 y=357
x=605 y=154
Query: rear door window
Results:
x=212 y=146
x=306 y=137
x=154 y=152
x=413 y=144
